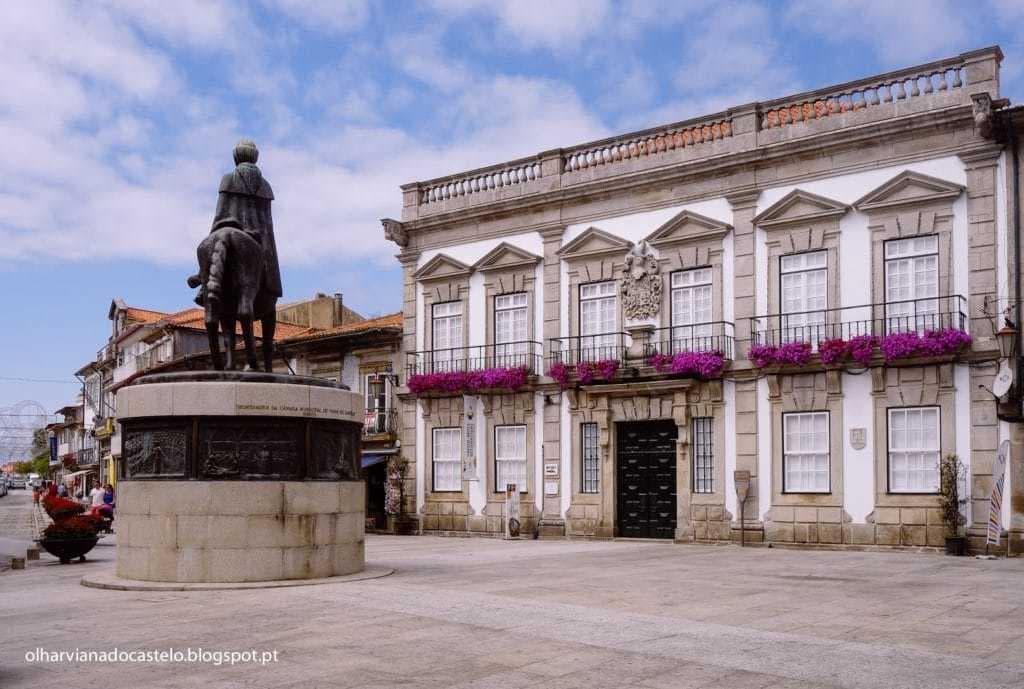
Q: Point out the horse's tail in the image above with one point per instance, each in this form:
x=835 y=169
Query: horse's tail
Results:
x=215 y=279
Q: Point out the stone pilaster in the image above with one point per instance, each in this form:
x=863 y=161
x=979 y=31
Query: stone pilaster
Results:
x=981 y=168
x=552 y=523
x=407 y=425
x=744 y=207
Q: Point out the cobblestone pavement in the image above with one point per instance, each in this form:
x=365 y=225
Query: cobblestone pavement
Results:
x=486 y=613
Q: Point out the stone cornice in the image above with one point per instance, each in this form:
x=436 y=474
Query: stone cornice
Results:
x=905 y=127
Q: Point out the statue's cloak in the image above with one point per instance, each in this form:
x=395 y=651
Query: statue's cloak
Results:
x=245 y=197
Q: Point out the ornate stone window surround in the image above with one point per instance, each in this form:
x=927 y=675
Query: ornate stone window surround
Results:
x=594 y=256
x=911 y=386
x=446 y=412
x=807 y=392
x=509 y=410
x=443 y=279
x=509 y=270
x=801 y=222
x=687 y=241
x=910 y=205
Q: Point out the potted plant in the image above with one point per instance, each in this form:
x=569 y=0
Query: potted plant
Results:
x=71 y=537
x=951 y=472
x=394 y=497
x=59 y=508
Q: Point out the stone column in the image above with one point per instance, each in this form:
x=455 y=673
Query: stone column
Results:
x=744 y=207
x=552 y=523
x=981 y=168
x=407 y=425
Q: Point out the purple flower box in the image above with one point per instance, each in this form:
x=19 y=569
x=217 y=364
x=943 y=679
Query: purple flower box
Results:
x=697 y=364
x=499 y=378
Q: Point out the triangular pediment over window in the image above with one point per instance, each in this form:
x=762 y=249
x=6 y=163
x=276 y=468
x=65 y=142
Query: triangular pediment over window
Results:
x=506 y=256
x=442 y=267
x=797 y=207
x=908 y=188
x=594 y=242
x=686 y=226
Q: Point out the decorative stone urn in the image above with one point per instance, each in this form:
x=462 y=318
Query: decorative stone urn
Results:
x=232 y=477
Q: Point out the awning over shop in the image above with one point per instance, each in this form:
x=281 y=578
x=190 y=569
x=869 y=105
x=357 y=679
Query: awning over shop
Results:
x=72 y=477
x=372 y=458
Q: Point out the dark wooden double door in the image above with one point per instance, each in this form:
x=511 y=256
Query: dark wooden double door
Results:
x=646 y=479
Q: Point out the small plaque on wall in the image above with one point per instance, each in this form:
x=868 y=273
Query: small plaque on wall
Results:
x=858 y=438
x=551 y=470
x=551 y=488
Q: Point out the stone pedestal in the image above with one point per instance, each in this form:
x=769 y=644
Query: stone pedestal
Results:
x=239 y=478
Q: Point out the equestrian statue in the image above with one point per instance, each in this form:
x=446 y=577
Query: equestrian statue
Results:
x=239 y=278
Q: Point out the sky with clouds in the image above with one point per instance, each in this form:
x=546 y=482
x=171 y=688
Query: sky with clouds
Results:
x=118 y=118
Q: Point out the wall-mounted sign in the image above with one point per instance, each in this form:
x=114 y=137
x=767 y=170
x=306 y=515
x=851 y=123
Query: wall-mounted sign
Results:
x=469 y=438
x=551 y=488
x=858 y=438
x=741 y=479
x=551 y=470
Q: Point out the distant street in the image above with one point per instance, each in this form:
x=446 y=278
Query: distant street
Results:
x=16 y=514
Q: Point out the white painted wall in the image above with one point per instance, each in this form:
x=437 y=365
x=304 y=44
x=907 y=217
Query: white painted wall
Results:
x=350 y=373
x=471 y=252
x=858 y=465
x=854 y=270
x=962 y=413
x=476 y=319
x=421 y=459
x=636 y=226
x=764 y=449
x=566 y=448
x=538 y=452
x=729 y=451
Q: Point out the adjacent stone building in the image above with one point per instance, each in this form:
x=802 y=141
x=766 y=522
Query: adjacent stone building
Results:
x=782 y=288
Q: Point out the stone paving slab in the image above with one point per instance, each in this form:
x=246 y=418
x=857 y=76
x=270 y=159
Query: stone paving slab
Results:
x=486 y=613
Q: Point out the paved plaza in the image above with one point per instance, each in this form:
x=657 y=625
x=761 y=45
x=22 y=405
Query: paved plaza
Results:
x=488 y=613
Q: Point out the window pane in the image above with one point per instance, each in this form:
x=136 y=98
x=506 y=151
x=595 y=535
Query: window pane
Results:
x=591 y=466
x=703 y=455
x=806 y=452
x=510 y=457
x=447 y=452
x=914 y=442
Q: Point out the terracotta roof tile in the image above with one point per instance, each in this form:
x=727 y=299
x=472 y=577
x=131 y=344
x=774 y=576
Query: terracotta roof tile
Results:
x=391 y=321
x=193 y=319
x=144 y=315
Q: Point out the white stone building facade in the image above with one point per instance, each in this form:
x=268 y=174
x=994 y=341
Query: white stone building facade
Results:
x=878 y=208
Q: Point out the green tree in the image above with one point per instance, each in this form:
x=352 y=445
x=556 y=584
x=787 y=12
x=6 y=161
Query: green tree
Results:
x=23 y=467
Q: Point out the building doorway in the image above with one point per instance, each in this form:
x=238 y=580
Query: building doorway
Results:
x=646 y=479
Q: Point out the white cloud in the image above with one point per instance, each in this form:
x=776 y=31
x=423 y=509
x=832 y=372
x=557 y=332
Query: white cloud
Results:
x=556 y=25
x=340 y=16
x=900 y=33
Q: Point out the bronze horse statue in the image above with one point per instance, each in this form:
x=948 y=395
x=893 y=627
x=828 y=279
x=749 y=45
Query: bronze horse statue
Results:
x=239 y=278
x=231 y=266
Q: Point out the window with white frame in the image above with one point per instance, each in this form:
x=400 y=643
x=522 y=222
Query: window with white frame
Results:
x=509 y=457
x=376 y=389
x=804 y=296
x=703 y=455
x=598 y=306
x=590 y=459
x=805 y=453
x=448 y=353
x=510 y=329
x=912 y=284
x=914 y=450
x=691 y=310
x=447 y=453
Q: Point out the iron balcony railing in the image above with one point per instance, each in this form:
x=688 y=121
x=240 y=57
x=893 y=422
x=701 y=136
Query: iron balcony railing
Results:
x=714 y=336
x=883 y=318
x=506 y=355
x=576 y=348
x=380 y=422
x=87 y=456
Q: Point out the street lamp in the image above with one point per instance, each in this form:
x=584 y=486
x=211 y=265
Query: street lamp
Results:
x=1007 y=339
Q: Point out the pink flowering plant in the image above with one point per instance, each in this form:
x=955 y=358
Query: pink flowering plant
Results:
x=586 y=371
x=860 y=349
x=495 y=378
x=696 y=364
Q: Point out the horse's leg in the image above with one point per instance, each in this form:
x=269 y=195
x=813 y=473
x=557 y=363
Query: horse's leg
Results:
x=269 y=322
x=227 y=326
x=250 y=344
x=214 y=337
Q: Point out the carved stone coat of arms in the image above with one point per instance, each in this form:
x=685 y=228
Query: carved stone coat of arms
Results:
x=641 y=283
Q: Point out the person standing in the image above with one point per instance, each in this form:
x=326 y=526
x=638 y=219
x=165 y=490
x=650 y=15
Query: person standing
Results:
x=62 y=490
x=96 y=498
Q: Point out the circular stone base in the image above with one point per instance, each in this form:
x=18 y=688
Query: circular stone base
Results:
x=111 y=582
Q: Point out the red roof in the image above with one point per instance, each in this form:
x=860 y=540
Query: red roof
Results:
x=392 y=321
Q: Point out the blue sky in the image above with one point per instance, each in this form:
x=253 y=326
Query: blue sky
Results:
x=119 y=117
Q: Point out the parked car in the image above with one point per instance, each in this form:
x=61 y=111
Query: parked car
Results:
x=3 y=485
x=17 y=481
x=34 y=481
